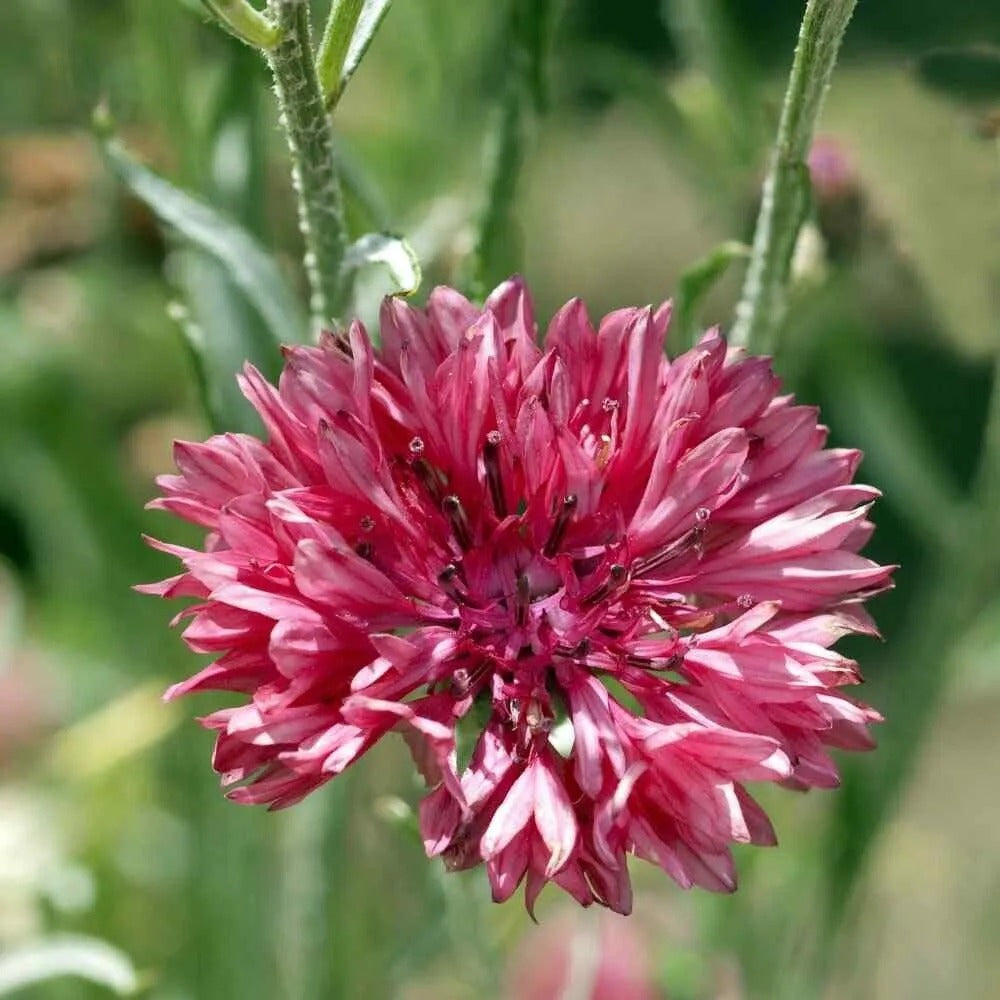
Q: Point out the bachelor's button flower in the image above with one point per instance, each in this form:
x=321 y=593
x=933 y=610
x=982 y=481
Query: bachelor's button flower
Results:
x=595 y=589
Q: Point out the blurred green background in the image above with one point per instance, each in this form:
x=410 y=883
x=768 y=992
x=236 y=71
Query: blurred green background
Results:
x=649 y=154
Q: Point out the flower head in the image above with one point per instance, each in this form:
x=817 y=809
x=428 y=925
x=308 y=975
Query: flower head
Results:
x=595 y=589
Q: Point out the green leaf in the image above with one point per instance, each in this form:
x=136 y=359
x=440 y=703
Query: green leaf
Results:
x=67 y=955
x=695 y=283
x=350 y=28
x=368 y=23
x=221 y=332
x=245 y=22
x=391 y=252
x=249 y=265
x=969 y=74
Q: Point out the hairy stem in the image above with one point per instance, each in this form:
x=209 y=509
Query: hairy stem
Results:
x=785 y=197
x=314 y=167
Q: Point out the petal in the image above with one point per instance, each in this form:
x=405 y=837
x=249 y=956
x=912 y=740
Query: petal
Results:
x=512 y=815
x=554 y=818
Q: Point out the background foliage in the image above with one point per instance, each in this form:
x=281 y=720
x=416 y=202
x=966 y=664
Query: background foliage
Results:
x=642 y=151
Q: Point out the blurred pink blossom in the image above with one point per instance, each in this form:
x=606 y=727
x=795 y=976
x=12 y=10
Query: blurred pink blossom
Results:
x=586 y=959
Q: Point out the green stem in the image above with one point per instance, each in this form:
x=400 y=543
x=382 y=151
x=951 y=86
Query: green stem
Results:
x=987 y=483
x=986 y=489
x=245 y=22
x=333 y=48
x=314 y=167
x=529 y=32
x=785 y=197
x=495 y=249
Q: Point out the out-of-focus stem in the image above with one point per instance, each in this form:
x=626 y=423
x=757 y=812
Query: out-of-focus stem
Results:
x=505 y=158
x=314 y=168
x=245 y=22
x=987 y=483
x=333 y=48
x=529 y=30
x=785 y=197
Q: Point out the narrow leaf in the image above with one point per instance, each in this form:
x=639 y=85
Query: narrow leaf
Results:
x=368 y=23
x=695 y=284
x=249 y=265
x=350 y=28
x=245 y=22
x=393 y=253
x=220 y=332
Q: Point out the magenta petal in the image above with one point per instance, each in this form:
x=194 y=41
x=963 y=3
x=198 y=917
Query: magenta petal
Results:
x=554 y=819
x=511 y=816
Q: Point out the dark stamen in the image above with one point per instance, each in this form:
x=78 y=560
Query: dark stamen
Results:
x=522 y=601
x=455 y=512
x=648 y=663
x=366 y=550
x=616 y=574
x=581 y=649
x=463 y=680
x=338 y=340
x=448 y=581
x=689 y=541
x=536 y=719
x=634 y=660
x=491 y=459
x=423 y=471
x=560 y=525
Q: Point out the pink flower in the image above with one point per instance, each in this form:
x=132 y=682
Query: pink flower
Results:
x=595 y=589
x=572 y=957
